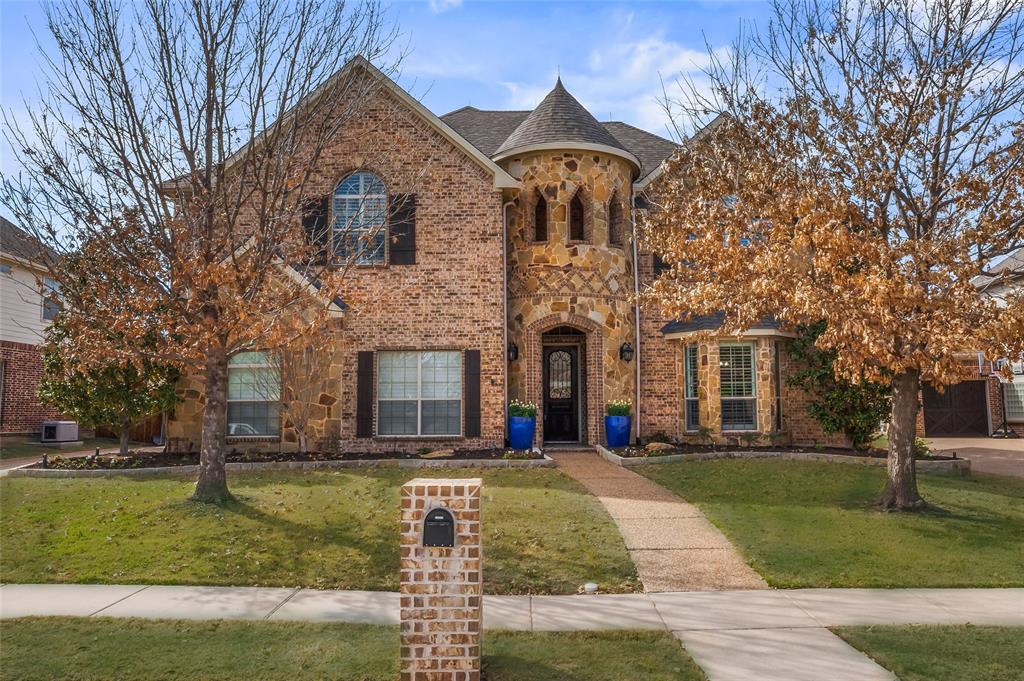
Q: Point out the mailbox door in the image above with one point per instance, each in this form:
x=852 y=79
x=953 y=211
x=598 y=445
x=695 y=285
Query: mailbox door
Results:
x=439 y=528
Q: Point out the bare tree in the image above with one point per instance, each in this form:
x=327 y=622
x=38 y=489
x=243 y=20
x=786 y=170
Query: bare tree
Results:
x=865 y=163
x=173 y=140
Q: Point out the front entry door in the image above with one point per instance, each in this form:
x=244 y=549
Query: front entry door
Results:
x=561 y=394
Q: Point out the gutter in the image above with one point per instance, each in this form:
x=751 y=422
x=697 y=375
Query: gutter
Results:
x=636 y=308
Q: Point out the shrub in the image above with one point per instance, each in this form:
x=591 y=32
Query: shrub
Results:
x=619 y=407
x=855 y=409
x=517 y=408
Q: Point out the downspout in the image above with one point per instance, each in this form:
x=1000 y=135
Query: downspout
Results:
x=636 y=308
x=504 y=301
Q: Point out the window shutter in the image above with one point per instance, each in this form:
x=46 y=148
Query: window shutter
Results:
x=364 y=395
x=659 y=264
x=316 y=223
x=402 y=230
x=471 y=370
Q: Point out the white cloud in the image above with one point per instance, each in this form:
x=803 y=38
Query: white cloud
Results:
x=438 y=6
x=621 y=80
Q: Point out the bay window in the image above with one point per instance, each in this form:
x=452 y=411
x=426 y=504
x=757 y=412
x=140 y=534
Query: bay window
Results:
x=419 y=393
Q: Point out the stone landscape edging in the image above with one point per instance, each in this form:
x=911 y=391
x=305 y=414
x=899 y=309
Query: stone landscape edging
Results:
x=961 y=466
x=159 y=471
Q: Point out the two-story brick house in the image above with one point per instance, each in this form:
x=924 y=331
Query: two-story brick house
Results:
x=28 y=303
x=508 y=271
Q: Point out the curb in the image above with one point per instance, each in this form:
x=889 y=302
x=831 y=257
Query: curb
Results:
x=960 y=466
x=172 y=471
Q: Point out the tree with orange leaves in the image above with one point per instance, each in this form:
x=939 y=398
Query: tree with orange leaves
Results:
x=169 y=153
x=864 y=163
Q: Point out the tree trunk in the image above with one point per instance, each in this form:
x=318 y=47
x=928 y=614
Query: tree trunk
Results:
x=303 y=444
x=901 y=486
x=124 y=440
x=212 y=484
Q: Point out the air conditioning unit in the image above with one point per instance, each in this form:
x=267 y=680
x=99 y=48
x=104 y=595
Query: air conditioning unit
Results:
x=59 y=431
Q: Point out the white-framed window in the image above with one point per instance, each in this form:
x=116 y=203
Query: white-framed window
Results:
x=359 y=218
x=254 y=388
x=1014 y=395
x=739 y=396
x=690 y=364
x=50 y=299
x=419 y=392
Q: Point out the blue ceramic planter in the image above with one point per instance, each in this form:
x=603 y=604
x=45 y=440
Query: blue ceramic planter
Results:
x=616 y=430
x=520 y=431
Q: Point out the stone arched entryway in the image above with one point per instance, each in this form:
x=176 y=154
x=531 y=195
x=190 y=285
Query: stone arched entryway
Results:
x=550 y=342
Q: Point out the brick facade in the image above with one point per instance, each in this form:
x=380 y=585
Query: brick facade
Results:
x=441 y=588
x=20 y=410
x=451 y=299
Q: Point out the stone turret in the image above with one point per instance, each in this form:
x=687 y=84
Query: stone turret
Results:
x=570 y=266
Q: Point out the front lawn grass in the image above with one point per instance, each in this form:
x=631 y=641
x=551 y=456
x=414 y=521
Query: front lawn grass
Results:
x=943 y=653
x=811 y=524
x=543 y=533
x=78 y=649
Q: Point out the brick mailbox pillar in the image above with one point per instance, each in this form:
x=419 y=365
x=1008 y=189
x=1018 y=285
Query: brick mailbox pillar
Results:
x=442 y=580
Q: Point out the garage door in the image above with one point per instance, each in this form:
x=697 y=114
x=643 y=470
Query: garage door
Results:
x=959 y=410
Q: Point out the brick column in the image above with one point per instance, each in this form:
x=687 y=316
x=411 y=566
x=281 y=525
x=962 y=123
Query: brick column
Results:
x=441 y=587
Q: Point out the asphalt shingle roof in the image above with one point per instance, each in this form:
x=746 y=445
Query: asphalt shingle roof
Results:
x=490 y=131
x=19 y=243
x=559 y=118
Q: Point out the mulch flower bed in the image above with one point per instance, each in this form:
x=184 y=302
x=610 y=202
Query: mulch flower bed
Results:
x=162 y=459
x=689 y=448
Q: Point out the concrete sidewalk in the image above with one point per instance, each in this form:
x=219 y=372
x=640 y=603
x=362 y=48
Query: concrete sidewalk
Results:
x=672 y=544
x=767 y=635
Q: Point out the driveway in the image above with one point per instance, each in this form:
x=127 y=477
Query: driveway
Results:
x=987 y=454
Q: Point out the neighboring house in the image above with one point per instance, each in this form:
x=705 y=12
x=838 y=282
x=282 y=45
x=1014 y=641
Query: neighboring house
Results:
x=507 y=272
x=975 y=406
x=28 y=302
x=985 y=402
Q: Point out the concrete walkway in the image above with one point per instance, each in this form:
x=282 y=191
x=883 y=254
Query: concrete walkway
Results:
x=987 y=454
x=672 y=544
x=732 y=635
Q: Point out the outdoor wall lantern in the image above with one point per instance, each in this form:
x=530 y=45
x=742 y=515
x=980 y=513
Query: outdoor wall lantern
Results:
x=513 y=352
x=626 y=352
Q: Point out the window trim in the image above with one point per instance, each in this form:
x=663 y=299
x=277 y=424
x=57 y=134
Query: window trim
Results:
x=687 y=398
x=335 y=196
x=419 y=400
x=267 y=364
x=751 y=347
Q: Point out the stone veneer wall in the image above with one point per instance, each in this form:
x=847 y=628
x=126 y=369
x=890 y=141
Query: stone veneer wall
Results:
x=585 y=284
x=451 y=299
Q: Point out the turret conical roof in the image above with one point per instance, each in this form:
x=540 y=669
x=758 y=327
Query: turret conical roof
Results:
x=558 y=119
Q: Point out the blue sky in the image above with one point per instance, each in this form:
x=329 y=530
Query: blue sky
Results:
x=498 y=55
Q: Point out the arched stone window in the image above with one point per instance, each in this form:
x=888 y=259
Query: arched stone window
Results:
x=577 y=218
x=360 y=213
x=616 y=222
x=540 y=217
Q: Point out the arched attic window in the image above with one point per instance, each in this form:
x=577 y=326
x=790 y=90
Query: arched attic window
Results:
x=540 y=217
x=616 y=222
x=577 y=218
